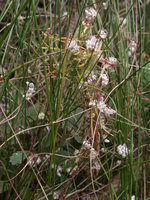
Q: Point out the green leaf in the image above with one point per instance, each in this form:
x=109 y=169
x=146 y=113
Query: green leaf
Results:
x=78 y=139
x=18 y=157
x=31 y=114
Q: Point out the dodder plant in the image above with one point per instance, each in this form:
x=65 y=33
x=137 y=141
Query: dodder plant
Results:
x=71 y=111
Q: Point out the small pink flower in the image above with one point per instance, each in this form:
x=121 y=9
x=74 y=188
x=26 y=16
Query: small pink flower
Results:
x=92 y=43
x=90 y=14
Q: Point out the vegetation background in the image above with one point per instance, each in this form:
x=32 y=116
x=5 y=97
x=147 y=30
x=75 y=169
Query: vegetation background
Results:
x=44 y=152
